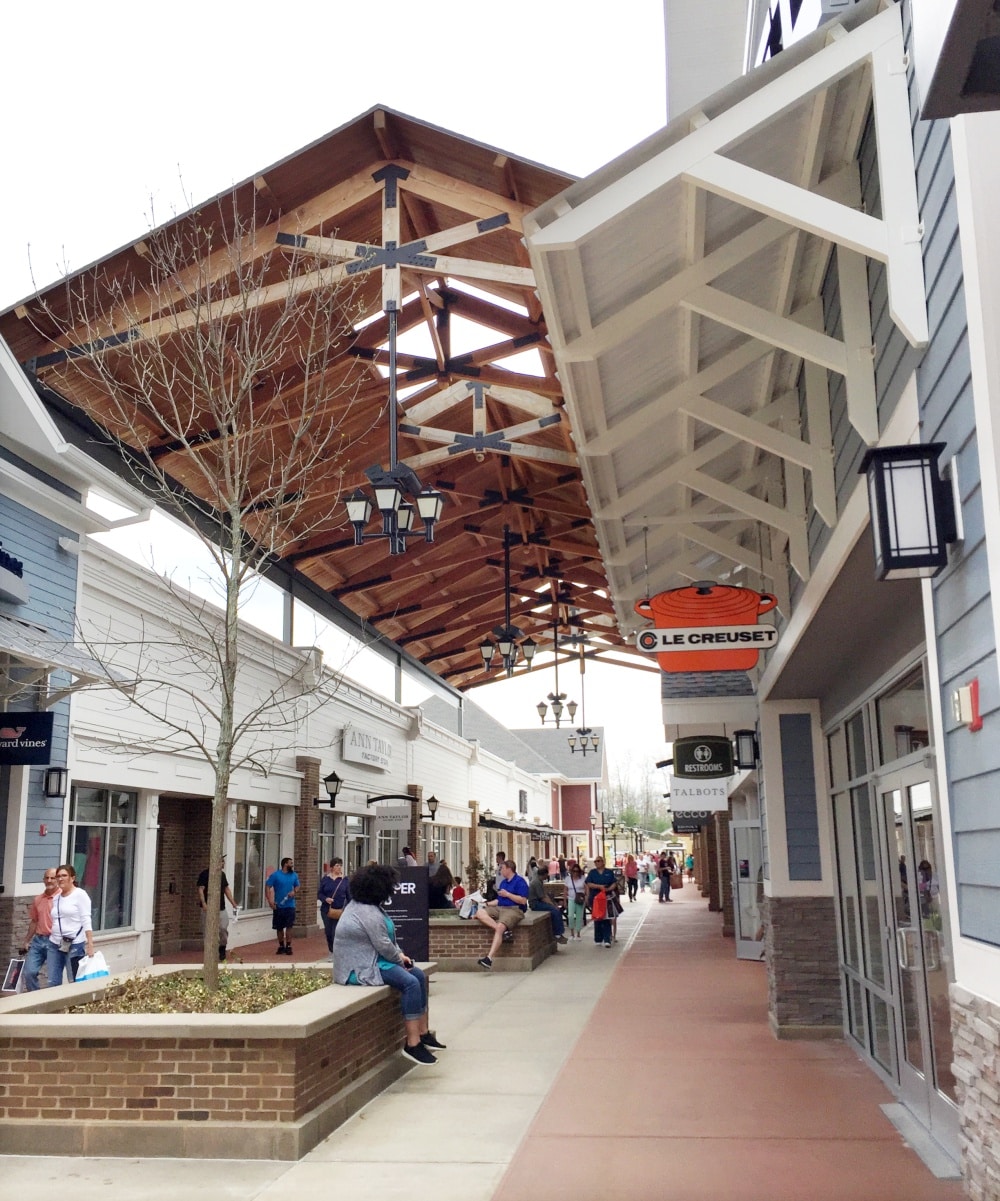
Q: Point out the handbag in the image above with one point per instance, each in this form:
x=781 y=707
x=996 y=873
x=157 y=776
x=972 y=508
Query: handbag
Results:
x=677 y=880
x=599 y=907
x=334 y=914
x=92 y=967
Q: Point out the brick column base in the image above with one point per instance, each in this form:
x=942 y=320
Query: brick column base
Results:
x=803 y=972
x=975 y=1024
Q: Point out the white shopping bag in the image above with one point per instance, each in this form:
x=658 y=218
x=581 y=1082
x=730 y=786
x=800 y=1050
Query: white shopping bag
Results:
x=470 y=904
x=92 y=967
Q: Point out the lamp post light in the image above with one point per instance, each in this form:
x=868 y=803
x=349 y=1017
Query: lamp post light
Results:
x=332 y=783
x=597 y=820
x=507 y=635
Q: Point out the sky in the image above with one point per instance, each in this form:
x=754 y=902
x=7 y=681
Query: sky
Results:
x=122 y=114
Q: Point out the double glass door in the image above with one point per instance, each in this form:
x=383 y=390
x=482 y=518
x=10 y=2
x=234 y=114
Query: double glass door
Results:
x=916 y=947
x=748 y=888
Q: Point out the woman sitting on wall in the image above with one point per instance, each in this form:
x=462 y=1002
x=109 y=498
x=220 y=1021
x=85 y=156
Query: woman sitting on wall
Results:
x=365 y=952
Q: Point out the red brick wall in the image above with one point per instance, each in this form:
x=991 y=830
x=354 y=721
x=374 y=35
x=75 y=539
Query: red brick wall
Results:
x=169 y=898
x=576 y=806
x=306 y=827
x=452 y=938
x=193 y=1079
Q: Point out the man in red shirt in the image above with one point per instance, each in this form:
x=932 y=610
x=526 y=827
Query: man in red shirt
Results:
x=36 y=948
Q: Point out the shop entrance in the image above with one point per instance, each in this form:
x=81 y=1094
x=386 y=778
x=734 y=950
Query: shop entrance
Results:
x=917 y=948
x=748 y=888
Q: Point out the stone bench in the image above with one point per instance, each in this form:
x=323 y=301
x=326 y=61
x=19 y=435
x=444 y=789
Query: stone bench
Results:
x=455 y=945
x=231 y=1086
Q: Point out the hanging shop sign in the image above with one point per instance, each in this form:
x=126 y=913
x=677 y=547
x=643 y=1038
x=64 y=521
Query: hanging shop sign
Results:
x=690 y=821
x=703 y=757
x=25 y=738
x=408 y=908
x=392 y=817
x=367 y=747
x=712 y=795
x=706 y=627
x=12 y=583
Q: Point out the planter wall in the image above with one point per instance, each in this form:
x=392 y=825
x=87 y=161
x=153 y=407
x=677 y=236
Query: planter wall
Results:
x=257 y=1086
x=455 y=945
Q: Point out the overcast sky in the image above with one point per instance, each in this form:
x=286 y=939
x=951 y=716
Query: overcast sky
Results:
x=121 y=114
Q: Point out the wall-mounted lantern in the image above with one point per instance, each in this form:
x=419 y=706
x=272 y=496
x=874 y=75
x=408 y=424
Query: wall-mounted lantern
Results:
x=745 y=750
x=56 y=780
x=913 y=510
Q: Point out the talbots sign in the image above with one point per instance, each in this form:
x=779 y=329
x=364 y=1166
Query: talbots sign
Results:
x=709 y=795
x=367 y=747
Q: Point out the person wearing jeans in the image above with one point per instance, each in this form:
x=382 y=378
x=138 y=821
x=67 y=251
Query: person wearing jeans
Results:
x=538 y=901
x=72 y=935
x=36 y=941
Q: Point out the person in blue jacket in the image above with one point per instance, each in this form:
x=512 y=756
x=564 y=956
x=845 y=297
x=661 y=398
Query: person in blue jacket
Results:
x=280 y=889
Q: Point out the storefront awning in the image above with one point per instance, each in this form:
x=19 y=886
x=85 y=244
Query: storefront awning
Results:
x=27 y=646
x=684 y=285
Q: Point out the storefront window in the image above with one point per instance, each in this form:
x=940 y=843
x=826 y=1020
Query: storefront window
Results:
x=101 y=842
x=390 y=843
x=258 y=850
x=903 y=717
x=857 y=751
x=327 y=839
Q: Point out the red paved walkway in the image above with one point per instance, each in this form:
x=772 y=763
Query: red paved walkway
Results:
x=686 y=1095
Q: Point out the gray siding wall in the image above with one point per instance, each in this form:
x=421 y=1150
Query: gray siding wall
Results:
x=963 y=620
x=51 y=575
x=799 y=781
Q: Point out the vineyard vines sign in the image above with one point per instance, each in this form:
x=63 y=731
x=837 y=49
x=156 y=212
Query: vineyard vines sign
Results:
x=367 y=748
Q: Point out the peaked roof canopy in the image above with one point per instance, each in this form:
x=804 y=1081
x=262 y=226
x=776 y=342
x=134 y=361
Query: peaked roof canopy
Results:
x=431 y=224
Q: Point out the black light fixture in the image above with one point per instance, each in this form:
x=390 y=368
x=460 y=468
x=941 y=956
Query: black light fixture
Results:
x=589 y=741
x=556 y=699
x=56 y=780
x=745 y=749
x=332 y=783
x=432 y=805
x=391 y=487
x=487 y=815
x=913 y=515
x=507 y=635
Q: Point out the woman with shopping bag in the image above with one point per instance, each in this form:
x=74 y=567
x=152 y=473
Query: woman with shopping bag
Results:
x=601 y=882
x=72 y=934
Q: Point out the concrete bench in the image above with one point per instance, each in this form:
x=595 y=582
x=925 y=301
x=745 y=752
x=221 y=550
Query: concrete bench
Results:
x=455 y=945
x=231 y=1086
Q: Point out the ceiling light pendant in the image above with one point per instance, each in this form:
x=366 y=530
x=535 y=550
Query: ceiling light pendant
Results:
x=510 y=642
x=391 y=487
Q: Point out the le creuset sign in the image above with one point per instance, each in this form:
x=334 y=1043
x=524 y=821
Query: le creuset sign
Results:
x=706 y=627
x=25 y=738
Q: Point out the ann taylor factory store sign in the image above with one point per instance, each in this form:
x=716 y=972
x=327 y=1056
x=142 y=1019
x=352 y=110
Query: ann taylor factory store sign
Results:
x=367 y=748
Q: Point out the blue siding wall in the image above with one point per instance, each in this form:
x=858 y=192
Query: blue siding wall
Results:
x=51 y=576
x=799 y=780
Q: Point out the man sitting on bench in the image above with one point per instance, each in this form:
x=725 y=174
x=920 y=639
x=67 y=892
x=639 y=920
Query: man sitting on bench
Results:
x=508 y=909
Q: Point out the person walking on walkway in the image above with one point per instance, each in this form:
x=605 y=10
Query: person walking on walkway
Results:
x=36 y=941
x=72 y=934
x=600 y=884
x=632 y=876
x=280 y=889
x=665 y=867
x=333 y=894
x=225 y=893
x=576 y=900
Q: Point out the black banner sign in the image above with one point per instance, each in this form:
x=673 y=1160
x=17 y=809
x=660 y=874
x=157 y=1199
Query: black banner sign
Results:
x=409 y=912
x=690 y=821
x=25 y=738
x=705 y=757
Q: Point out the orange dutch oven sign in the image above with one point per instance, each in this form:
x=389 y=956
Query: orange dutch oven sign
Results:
x=706 y=627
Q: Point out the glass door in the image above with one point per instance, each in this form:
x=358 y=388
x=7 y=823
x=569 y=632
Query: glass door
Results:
x=911 y=851
x=748 y=888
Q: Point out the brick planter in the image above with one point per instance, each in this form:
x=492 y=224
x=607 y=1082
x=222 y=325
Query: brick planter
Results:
x=455 y=945
x=248 y=1086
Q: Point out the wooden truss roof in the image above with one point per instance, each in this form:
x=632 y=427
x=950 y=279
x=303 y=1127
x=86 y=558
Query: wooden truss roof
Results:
x=432 y=223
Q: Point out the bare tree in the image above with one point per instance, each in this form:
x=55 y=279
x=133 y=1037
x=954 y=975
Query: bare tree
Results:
x=213 y=359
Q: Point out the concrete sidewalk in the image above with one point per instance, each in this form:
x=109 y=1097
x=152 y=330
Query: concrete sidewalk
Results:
x=646 y=1068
